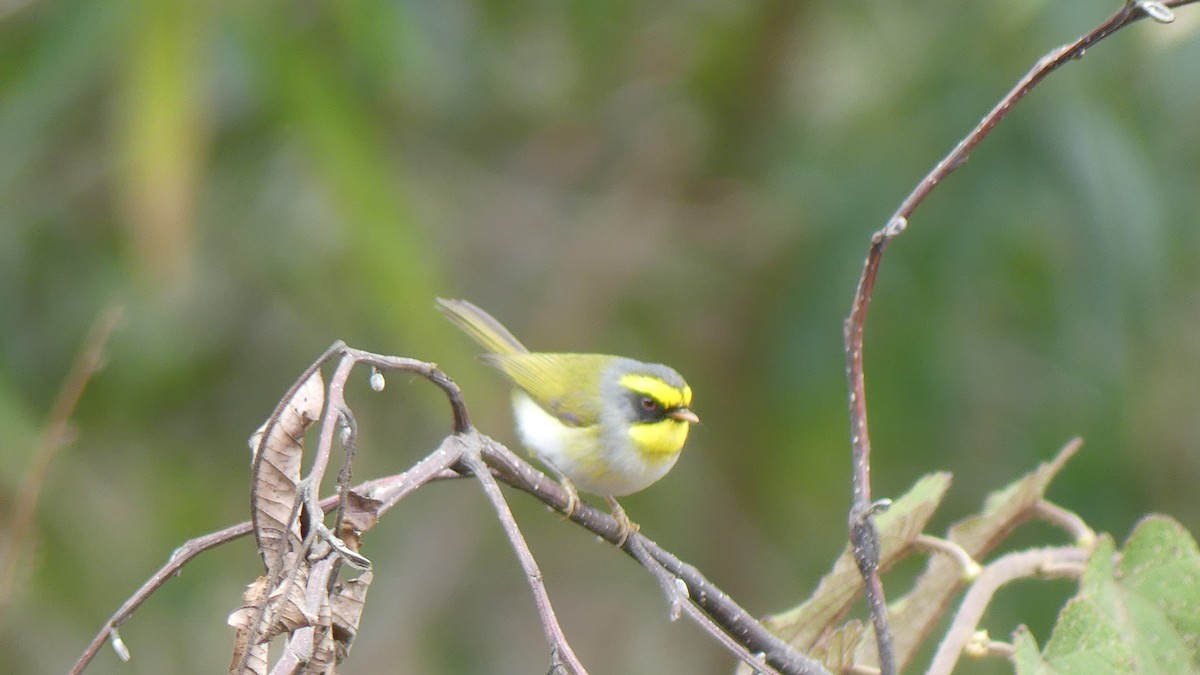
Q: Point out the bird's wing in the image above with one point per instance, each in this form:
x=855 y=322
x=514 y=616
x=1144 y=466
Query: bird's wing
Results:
x=553 y=381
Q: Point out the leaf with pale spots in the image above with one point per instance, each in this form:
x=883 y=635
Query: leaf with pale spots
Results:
x=1136 y=612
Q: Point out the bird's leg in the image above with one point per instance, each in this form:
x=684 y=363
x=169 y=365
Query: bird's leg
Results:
x=568 y=486
x=627 y=526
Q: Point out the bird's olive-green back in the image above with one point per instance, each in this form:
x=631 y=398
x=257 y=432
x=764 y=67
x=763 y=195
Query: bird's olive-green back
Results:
x=564 y=385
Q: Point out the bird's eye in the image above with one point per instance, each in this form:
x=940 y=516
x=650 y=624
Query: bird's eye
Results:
x=648 y=404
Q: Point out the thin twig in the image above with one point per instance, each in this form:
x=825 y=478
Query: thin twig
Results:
x=349 y=439
x=429 y=371
x=733 y=618
x=435 y=466
x=331 y=420
x=560 y=650
x=1129 y=13
x=863 y=536
x=180 y=557
x=1019 y=565
x=89 y=360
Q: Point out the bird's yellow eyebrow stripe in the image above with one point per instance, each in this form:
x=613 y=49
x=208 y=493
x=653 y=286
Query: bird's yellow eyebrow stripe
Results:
x=666 y=395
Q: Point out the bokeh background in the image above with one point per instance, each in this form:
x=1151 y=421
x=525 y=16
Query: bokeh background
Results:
x=692 y=182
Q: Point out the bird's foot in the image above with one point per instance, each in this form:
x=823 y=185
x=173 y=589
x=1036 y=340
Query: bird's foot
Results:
x=625 y=525
x=568 y=486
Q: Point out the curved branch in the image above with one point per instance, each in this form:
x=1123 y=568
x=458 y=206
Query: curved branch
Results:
x=863 y=536
x=1039 y=562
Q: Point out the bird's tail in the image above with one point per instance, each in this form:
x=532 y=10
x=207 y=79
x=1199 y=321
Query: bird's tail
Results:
x=481 y=326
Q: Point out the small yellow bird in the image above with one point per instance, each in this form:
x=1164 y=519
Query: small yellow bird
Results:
x=608 y=425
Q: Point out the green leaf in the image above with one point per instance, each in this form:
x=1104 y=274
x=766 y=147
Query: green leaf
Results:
x=1135 y=613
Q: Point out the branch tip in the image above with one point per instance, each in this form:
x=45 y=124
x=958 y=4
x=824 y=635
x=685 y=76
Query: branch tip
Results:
x=1069 y=521
x=970 y=568
x=982 y=646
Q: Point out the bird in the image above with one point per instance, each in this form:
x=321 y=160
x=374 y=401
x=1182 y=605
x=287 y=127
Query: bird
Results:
x=606 y=425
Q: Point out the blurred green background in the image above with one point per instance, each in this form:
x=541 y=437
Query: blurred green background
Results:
x=686 y=182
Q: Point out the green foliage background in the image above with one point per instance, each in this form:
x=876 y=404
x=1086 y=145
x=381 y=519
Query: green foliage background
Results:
x=688 y=182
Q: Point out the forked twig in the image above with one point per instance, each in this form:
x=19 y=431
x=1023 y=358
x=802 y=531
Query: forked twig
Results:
x=864 y=538
x=676 y=592
x=732 y=619
x=278 y=486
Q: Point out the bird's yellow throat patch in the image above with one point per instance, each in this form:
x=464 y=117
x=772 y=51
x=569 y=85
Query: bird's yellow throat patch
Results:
x=666 y=395
x=661 y=439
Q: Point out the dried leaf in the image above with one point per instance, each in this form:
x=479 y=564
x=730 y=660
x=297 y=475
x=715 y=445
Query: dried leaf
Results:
x=349 y=597
x=289 y=605
x=361 y=512
x=278 y=457
x=811 y=627
x=279 y=610
x=254 y=656
x=324 y=649
x=837 y=652
x=803 y=626
x=256 y=662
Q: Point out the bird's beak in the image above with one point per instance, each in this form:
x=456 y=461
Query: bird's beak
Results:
x=683 y=415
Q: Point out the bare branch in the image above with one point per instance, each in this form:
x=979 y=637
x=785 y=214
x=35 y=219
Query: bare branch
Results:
x=863 y=536
x=561 y=654
x=733 y=619
x=178 y=559
x=676 y=592
x=1004 y=569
